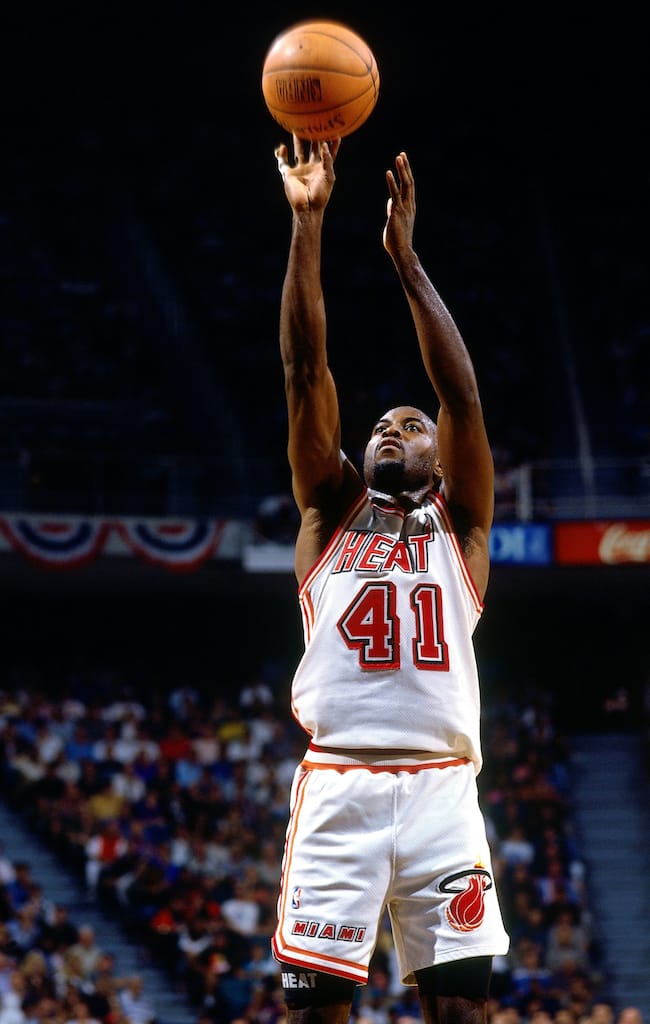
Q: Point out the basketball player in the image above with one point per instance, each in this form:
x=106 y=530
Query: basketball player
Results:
x=392 y=570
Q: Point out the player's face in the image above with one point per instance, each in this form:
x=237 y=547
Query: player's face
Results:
x=402 y=452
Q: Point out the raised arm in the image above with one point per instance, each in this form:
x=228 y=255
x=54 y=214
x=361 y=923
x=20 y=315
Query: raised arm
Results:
x=323 y=483
x=313 y=410
x=463 y=448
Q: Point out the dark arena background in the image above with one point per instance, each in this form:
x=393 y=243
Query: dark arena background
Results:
x=145 y=518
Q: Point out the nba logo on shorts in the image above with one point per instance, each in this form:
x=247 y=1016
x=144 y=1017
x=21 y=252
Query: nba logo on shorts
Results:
x=296 y=897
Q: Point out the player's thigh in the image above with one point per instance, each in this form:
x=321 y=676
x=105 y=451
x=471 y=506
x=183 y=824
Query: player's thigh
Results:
x=443 y=905
x=337 y=870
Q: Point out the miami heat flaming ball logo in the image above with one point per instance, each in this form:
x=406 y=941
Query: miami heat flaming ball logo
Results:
x=466 y=910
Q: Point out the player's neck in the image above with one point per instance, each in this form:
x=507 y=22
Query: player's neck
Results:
x=406 y=499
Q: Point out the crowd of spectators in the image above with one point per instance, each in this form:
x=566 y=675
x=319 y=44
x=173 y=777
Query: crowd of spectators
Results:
x=171 y=807
x=52 y=969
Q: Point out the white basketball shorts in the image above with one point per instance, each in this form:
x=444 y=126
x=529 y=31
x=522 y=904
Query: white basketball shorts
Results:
x=365 y=835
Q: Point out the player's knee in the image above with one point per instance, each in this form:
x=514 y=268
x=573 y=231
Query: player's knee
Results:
x=303 y=988
x=468 y=978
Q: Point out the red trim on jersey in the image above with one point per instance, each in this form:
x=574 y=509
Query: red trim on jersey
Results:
x=291 y=954
x=327 y=964
x=307 y=610
x=349 y=516
x=406 y=762
x=438 y=500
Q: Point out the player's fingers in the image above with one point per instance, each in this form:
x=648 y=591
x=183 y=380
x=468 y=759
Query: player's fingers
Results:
x=404 y=171
x=328 y=153
x=299 y=149
x=281 y=155
x=393 y=187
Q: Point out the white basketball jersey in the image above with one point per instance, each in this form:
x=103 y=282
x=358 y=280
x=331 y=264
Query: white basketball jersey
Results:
x=389 y=611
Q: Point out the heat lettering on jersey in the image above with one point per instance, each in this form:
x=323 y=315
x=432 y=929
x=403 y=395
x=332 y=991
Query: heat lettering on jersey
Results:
x=375 y=552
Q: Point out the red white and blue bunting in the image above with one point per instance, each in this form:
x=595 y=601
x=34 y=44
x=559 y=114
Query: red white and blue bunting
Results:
x=181 y=545
x=55 y=543
x=68 y=543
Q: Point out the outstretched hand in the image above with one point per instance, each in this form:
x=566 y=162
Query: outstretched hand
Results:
x=400 y=208
x=309 y=180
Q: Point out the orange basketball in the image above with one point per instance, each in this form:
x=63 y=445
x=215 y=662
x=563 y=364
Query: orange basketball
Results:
x=320 y=80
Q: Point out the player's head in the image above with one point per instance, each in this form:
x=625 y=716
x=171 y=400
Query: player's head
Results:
x=401 y=456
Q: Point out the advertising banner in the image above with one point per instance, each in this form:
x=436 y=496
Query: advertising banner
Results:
x=603 y=543
x=521 y=543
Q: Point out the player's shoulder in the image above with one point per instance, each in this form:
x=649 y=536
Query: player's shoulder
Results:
x=323 y=519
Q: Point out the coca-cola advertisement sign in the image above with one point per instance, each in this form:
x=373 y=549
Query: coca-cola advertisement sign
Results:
x=603 y=543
